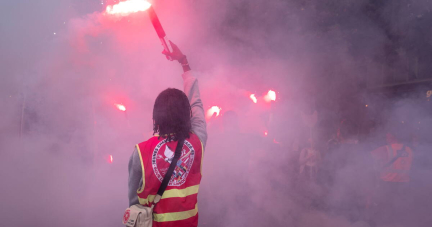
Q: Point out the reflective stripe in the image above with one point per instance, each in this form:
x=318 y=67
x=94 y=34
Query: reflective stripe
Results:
x=172 y=193
x=180 y=192
x=175 y=216
x=146 y=201
x=143 y=171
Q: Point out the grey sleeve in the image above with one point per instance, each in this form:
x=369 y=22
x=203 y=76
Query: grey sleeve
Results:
x=199 y=126
x=135 y=177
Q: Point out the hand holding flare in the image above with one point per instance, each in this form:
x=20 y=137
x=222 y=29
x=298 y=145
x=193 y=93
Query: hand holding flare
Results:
x=177 y=55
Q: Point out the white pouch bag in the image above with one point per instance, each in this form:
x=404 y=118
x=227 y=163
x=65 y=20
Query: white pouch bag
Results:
x=138 y=216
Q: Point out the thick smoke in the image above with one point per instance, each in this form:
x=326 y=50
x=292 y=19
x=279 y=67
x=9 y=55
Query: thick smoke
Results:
x=65 y=65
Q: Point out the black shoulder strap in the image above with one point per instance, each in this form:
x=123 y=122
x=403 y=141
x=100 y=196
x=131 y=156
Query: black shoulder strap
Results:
x=394 y=158
x=170 y=171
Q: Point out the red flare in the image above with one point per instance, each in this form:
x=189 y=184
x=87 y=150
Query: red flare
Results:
x=213 y=110
x=127 y=7
x=271 y=96
x=253 y=98
x=110 y=160
x=121 y=107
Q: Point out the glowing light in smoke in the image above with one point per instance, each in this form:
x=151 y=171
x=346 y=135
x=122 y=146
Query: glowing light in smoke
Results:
x=127 y=7
x=271 y=96
x=213 y=110
x=254 y=99
x=265 y=133
x=120 y=107
x=110 y=159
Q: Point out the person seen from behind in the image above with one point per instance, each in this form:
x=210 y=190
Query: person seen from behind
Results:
x=177 y=116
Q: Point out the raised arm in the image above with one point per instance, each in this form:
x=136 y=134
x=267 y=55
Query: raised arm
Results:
x=191 y=89
x=199 y=126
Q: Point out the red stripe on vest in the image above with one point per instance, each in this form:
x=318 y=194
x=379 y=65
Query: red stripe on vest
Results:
x=176 y=204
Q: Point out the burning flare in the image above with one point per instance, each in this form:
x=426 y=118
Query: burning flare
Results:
x=127 y=7
x=213 y=110
x=120 y=107
x=253 y=98
x=271 y=96
x=110 y=160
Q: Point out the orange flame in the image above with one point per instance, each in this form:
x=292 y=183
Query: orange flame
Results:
x=253 y=98
x=271 y=96
x=120 y=107
x=127 y=7
x=213 y=110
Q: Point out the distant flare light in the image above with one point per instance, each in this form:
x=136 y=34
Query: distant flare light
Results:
x=110 y=160
x=271 y=96
x=120 y=107
x=216 y=109
x=253 y=98
x=127 y=7
x=213 y=110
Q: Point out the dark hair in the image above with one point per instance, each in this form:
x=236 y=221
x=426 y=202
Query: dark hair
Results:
x=172 y=115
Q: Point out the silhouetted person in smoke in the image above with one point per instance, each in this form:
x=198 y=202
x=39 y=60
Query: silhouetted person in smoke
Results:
x=393 y=165
x=310 y=157
x=177 y=116
x=344 y=173
x=338 y=151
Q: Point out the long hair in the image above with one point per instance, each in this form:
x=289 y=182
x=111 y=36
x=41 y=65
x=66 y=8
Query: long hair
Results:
x=172 y=115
